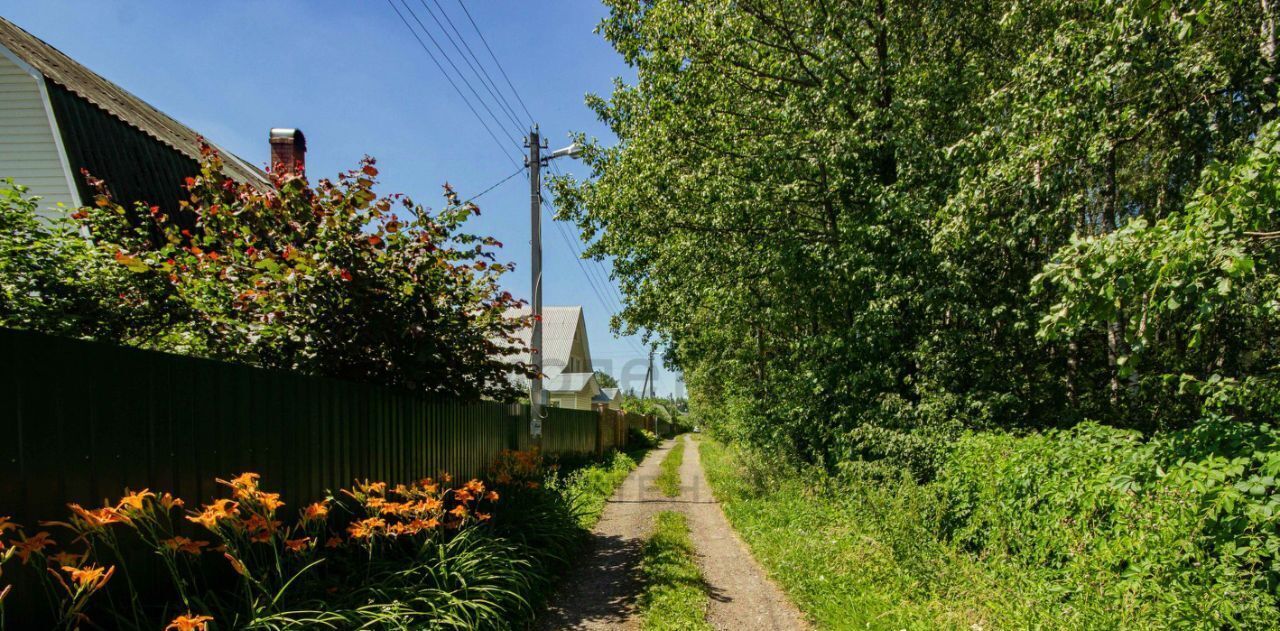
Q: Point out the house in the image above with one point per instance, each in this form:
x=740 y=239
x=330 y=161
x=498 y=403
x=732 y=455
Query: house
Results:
x=568 y=378
x=58 y=118
x=610 y=398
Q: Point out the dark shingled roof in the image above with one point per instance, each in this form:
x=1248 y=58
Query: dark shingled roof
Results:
x=64 y=71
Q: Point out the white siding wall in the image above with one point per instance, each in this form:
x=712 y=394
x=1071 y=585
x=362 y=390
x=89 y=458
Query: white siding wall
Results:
x=29 y=150
x=572 y=401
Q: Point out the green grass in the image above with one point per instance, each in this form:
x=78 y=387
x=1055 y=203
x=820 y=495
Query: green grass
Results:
x=669 y=479
x=588 y=488
x=851 y=561
x=675 y=595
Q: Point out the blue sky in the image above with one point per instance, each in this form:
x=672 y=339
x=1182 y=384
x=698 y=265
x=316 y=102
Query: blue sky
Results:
x=353 y=78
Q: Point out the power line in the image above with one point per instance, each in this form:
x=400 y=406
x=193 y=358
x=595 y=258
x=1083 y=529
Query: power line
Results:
x=451 y=82
x=500 y=183
x=449 y=59
x=496 y=62
x=487 y=81
x=602 y=276
x=464 y=50
x=599 y=266
x=616 y=307
x=590 y=281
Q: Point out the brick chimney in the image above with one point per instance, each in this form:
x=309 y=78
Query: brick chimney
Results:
x=288 y=150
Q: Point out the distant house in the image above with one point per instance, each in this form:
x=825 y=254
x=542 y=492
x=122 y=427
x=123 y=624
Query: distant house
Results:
x=569 y=381
x=609 y=398
x=57 y=118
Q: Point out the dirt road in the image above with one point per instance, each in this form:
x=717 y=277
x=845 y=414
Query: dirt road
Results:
x=601 y=592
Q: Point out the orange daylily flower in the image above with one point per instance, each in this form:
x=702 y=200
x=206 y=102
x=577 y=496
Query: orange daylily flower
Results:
x=333 y=542
x=7 y=524
x=244 y=485
x=215 y=512
x=189 y=622
x=183 y=544
x=30 y=545
x=66 y=558
x=134 y=501
x=297 y=545
x=462 y=495
x=459 y=511
x=99 y=518
x=169 y=502
x=260 y=528
x=475 y=487
x=396 y=508
x=270 y=501
x=366 y=528
x=90 y=578
x=483 y=516
x=492 y=496
x=316 y=512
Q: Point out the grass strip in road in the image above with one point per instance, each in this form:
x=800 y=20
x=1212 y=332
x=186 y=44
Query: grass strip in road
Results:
x=669 y=478
x=675 y=596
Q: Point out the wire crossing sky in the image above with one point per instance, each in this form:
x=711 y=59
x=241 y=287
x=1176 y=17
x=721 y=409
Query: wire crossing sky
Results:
x=437 y=90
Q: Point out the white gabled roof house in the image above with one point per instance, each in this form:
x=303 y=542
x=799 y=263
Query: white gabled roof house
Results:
x=568 y=377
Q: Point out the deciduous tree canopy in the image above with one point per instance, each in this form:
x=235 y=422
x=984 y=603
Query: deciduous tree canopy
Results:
x=861 y=226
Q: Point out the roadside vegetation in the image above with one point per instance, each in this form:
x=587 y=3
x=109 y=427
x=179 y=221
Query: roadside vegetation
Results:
x=1010 y=534
x=589 y=487
x=436 y=553
x=984 y=297
x=675 y=596
x=668 y=480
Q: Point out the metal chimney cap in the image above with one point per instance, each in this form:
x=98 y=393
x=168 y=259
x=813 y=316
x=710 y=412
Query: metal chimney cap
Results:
x=282 y=134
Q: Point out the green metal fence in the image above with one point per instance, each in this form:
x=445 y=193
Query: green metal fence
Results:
x=80 y=421
x=569 y=431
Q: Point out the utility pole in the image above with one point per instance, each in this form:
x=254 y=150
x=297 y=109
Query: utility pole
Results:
x=648 y=379
x=535 y=246
x=534 y=163
x=652 y=377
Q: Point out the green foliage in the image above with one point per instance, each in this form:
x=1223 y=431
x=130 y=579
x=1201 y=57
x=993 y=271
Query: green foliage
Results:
x=1091 y=527
x=1199 y=287
x=642 y=438
x=668 y=480
x=54 y=280
x=605 y=379
x=330 y=280
x=588 y=488
x=832 y=215
x=675 y=595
